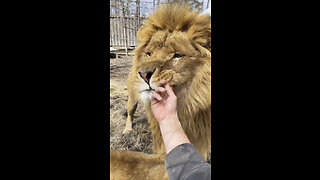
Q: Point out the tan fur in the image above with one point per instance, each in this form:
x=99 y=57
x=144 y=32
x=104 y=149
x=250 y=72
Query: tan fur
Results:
x=171 y=29
x=129 y=165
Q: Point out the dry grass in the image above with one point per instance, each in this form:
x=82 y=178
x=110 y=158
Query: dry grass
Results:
x=140 y=139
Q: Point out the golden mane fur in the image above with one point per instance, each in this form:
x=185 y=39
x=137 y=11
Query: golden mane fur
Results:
x=174 y=44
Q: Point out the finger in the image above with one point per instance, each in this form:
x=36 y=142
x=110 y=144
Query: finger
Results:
x=160 y=90
x=169 y=90
x=162 y=83
x=156 y=96
x=153 y=100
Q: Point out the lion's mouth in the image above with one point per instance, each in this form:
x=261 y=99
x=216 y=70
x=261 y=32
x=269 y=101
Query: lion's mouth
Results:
x=147 y=90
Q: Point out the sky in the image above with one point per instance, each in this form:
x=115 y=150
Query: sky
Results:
x=148 y=4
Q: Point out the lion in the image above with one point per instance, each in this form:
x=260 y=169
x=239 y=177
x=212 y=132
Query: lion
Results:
x=174 y=44
x=125 y=165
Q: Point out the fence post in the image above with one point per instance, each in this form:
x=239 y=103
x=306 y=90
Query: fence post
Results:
x=125 y=40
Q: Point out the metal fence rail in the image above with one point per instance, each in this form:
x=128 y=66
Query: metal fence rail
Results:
x=118 y=26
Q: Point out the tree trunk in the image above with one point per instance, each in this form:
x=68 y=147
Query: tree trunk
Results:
x=124 y=14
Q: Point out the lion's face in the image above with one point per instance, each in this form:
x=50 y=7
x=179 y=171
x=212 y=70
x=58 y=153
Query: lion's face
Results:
x=170 y=53
x=169 y=57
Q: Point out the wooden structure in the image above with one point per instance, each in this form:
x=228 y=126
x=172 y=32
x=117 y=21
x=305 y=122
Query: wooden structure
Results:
x=123 y=31
x=119 y=52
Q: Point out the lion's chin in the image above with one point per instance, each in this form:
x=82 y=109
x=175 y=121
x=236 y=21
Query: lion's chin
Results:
x=145 y=96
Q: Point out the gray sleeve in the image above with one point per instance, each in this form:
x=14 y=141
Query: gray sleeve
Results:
x=185 y=163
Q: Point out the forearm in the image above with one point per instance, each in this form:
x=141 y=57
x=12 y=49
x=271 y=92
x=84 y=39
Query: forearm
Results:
x=172 y=133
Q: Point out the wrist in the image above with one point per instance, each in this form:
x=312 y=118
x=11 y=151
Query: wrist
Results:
x=173 y=135
x=169 y=120
x=172 y=132
x=170 y=124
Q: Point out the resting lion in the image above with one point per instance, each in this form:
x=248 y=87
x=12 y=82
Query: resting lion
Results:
x=174 y=44
x=130 y=165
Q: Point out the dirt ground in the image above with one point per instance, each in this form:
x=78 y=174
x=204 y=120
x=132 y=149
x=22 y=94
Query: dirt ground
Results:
x=140 y=139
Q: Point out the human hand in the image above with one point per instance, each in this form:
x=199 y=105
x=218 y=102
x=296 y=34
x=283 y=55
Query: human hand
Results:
x=164 y=109
x=164 y=103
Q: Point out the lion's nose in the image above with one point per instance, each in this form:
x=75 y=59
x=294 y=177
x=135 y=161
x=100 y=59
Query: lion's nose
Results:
x=146 y=76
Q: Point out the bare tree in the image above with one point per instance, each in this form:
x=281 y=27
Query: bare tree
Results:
x=124 y=7
x=196 y=4
x=129 y=13
x=138 y=13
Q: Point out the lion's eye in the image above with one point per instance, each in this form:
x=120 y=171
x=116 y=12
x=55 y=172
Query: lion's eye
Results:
x=177 y=55
x=148 y=54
